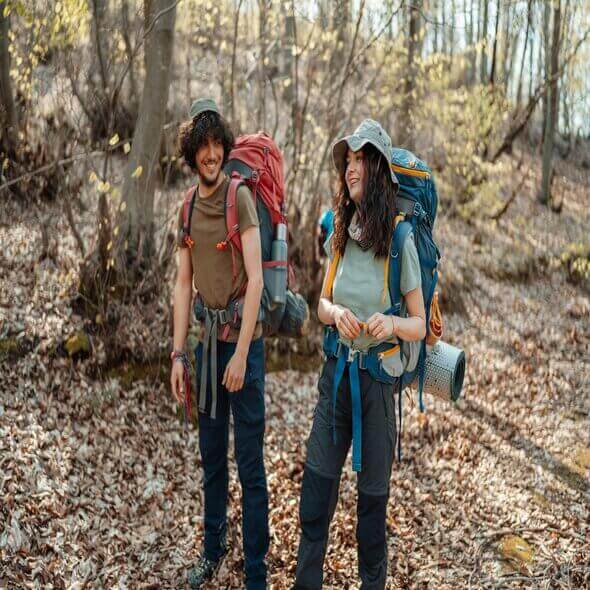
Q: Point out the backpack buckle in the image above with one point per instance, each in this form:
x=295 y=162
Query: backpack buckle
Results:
x=223 y=316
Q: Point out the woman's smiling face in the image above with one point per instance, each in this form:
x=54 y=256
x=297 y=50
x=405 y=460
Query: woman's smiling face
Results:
x=355 y=174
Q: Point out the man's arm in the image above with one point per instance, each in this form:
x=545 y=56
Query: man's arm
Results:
x=251 y=251
x=183 y=291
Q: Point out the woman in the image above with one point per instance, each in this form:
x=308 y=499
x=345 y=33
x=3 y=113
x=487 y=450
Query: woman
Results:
x=363 y=366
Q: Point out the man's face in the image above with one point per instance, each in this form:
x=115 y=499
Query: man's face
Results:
x=208 y=159
x=355 y=175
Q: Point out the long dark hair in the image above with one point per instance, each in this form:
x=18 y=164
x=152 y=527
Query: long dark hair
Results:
x=376 y=209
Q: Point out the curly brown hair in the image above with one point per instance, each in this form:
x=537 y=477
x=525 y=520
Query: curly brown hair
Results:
x=376 y=210
x=194 y=133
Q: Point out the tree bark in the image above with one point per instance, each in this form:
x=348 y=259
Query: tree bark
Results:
x=472 y=56
x=126 y=26
x=232 y=94
x=100 y=38
x=484 y=48
x=263 y=10
x=137 y=218
x=546 y=62
x=8 y=113
x=406 y=134
x=495 y=49
x=526 y=40
x=553 y=109
x=506 y=63
x=531 y=61
x=340 y=24
x=452 y=35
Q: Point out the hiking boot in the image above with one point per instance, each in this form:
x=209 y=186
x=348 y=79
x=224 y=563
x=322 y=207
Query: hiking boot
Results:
x=202 y=572
x=204 y=569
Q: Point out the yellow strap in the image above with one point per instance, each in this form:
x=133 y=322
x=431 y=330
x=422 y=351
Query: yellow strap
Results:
x=327 y=292
x=389 y=351
x=385 y=281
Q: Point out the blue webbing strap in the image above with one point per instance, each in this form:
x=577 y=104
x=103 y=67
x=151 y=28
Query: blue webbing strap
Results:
x=355 y=393
x=357 y=413
x=338 y=372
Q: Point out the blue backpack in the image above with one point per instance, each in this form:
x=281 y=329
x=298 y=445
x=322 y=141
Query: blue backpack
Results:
x=417 y=200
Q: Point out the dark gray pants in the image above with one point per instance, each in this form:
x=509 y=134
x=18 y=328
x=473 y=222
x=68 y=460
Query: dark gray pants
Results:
x=319 y=492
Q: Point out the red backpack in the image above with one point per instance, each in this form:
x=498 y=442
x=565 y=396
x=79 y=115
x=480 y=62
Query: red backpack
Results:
x=257 y=162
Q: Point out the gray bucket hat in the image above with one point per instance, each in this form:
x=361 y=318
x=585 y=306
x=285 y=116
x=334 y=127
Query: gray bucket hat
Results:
x=369 y=131
x=201 y=105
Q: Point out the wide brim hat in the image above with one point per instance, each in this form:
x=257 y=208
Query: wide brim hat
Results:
x=369 y=131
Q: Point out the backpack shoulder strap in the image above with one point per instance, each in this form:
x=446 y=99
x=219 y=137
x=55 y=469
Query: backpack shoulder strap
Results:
x=400 y=233
x=327 y=292
x=231 y=212
x=187 y=213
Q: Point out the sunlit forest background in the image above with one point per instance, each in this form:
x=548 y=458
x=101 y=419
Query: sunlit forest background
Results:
x=99 y=486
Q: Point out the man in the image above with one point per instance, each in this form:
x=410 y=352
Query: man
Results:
x=230 y=361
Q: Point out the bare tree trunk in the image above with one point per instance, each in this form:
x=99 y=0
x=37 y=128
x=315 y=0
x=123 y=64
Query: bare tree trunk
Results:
x=406 y=133
x=483 y=76
x=547 y=63
x=495 y=49
x=444 y=26
x=232 y=95
x=436 y=27
x=100 y=39
x=452 y=35
x=531 y=59
x=264 y=7
x=472 y=57
x=8 y=113
x=553 y=109
x=340 y=24
x=129 y=51
x=526 y=40
x=508 y=24
x=137 y=219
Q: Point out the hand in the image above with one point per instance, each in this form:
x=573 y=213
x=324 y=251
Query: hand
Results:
x=347 y=324
x=233 y=378
x=177 y=381
x=381 y=326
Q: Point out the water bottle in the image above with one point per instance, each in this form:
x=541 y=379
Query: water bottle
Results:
x=277 y=284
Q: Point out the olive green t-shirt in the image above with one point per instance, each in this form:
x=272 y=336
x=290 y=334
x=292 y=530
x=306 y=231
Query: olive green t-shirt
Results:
x=360 y=285
x=212 y=267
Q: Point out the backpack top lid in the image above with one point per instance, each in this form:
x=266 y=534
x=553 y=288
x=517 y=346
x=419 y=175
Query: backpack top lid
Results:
x=259 y=161
x=415 y=182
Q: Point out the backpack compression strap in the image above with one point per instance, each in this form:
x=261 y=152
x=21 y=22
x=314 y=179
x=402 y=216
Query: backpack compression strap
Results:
x=232 y=239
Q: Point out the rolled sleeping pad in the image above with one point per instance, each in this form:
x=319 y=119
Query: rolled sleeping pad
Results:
x=444 y=372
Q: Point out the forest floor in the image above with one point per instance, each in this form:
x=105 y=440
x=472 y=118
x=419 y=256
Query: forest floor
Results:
x=100 y=487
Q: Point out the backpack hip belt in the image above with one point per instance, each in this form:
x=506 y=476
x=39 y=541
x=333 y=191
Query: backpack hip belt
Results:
x=369 y=360
x=213 y=319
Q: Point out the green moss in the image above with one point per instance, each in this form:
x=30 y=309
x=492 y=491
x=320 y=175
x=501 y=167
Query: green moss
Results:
x=575 y=259
x=9 y=347
x=129 y=373
x=78 y=343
